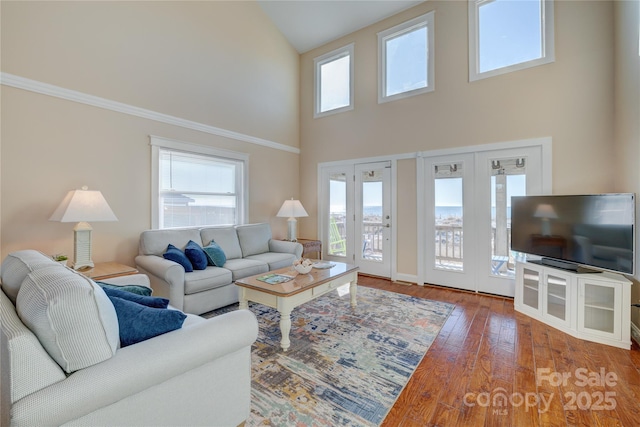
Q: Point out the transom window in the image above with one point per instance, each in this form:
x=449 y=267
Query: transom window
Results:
x=406 y=59
x=509 y=35
x=334 y=82
x=196 y=186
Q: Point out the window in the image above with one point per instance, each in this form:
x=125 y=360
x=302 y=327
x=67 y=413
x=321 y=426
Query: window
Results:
x=334 y=82
x=509 y=35
x=196 y=186
x=405 y=59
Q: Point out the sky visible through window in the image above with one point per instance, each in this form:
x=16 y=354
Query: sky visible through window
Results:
x=448 y=193
x=510 y=32
x=406 y=62
x=334 y=86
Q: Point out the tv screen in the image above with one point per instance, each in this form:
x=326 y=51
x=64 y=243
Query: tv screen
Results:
x=595 y=230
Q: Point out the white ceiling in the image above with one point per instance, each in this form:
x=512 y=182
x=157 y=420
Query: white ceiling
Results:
x=308 y=24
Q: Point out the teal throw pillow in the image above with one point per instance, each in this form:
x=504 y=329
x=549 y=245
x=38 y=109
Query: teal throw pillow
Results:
x=196 y=255
x=139 y=299
x=176 y=255
x=138 y=322
x=215 y=254
x=134 y=289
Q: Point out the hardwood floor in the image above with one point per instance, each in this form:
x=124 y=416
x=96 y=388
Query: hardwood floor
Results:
x=492 y=366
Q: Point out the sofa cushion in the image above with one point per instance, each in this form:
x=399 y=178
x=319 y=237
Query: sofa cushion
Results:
x=203 y=280
x=154 y=242
x=196 y=255
x=152 y=302
x=29 y=366
x=139 y=322
x=241 y=268
x=17 y=265
x=254 y=238
x=176 y=255
x=275 y=259
x=71 y=316
x=215 y=255
x=226 y=237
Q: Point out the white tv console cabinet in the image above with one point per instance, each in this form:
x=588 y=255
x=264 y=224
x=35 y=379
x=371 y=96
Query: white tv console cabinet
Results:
x=591 y=306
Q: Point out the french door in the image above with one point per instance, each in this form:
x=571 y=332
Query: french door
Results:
x=355 y=223
x=466 y=215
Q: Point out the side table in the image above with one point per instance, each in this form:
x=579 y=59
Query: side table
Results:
x=108 y=270
x=309 y=245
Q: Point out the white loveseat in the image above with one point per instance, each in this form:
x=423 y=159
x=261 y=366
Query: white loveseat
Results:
x=249 y=249
x=197 y=375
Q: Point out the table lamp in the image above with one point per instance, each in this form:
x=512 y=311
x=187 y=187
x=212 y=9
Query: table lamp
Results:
x=82 y=206
x=292 y=209
x=546 y=213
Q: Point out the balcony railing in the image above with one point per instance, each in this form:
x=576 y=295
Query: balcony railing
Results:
x=448 y=243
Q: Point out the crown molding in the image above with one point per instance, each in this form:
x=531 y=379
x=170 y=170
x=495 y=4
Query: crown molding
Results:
x=18 y=82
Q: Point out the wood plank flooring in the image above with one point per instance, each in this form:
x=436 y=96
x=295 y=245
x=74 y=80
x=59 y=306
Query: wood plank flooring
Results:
x=492 y=366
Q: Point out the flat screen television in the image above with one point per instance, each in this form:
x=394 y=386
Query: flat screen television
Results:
x=576 y=231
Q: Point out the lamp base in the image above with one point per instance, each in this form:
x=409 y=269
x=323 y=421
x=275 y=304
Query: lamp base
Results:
x=292 y=225
x=82 y=246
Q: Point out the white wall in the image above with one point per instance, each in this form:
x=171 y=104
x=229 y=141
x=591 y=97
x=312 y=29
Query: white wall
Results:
x=570 y=100
x=220 y=64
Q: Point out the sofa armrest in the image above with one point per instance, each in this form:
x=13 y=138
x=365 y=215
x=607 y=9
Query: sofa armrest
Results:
x=166 y=277
x=138 y=367
x=285 y=246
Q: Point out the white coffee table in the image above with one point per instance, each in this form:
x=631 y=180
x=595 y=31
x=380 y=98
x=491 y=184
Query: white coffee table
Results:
x=284 y=297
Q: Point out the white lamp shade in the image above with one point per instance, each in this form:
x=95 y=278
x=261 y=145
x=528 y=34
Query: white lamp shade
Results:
x=83 y=206
x=545 y=211
x=292 y=209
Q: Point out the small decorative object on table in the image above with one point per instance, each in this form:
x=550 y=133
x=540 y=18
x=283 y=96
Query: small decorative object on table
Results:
x=303 y=265
x=61 y=258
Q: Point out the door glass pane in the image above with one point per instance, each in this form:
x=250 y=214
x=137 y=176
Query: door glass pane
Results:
x=337 y=214
x=372 y=224
x=448 y=217
x=508 y=179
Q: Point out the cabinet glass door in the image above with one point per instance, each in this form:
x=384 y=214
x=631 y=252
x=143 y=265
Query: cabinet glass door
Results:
x=556 y=294
x=531 y=288
x=599 y=308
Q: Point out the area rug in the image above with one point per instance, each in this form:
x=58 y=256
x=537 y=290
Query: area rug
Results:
x=345 y=366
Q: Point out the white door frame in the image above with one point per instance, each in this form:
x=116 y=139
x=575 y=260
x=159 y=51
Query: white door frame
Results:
x=542 y=144
x=323 y=208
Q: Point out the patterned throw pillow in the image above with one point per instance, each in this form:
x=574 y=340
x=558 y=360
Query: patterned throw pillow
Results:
x=71 y=316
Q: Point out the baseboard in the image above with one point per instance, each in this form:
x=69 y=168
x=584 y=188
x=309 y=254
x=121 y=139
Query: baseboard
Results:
x=635 y=333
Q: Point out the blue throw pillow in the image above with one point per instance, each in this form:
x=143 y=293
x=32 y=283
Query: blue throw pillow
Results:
x=215 y=254
x=139 y=299
x=134 y=289
x=138 y=322
x=196 y=255
x=176 y=255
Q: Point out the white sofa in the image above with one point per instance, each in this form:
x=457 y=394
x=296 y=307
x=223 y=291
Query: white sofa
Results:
x=199 y=374
x=249 y=249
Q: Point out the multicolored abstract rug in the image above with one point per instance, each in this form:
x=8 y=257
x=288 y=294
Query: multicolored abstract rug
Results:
x=345 y=366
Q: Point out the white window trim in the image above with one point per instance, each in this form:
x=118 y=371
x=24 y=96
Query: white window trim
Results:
x=548 y=44
x=157 y=143
x=323 y=59
x=424 y=20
